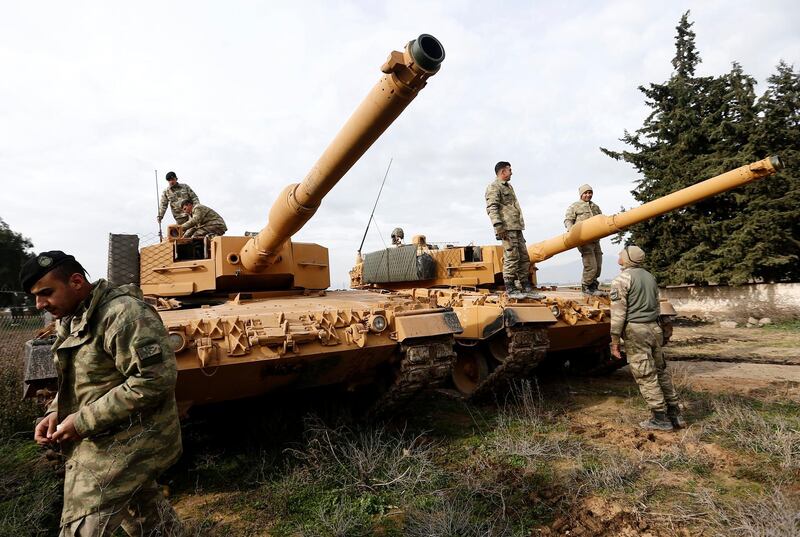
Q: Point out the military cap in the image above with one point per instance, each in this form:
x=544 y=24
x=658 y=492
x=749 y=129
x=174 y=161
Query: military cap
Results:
x=584 y=188
x=36 y=267
x=632 y=254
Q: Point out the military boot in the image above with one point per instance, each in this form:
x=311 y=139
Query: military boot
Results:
x=658 y=422
x=674 y=415
x=530 y=292
x=512 y=290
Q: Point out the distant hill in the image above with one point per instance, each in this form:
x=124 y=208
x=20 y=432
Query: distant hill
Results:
x=570 y=273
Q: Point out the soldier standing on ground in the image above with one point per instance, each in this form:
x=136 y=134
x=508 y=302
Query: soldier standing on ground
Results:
x=506 y=216
x=173 y=195
x=114 y=415
x=591 y=253
x=634 y=318
x=201 y=221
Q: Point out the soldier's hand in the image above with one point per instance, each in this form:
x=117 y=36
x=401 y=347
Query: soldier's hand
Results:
x=500 y=233
x=65 y=431
x=615 y=352
x=159 y=218
x=44 y=430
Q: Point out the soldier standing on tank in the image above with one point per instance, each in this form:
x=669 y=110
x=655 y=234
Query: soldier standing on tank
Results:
x=173 y=195
x=114 y=415
x=634 y=319
x=506 y=216
x=397 y=236
x=591 y=253
x=202 y=221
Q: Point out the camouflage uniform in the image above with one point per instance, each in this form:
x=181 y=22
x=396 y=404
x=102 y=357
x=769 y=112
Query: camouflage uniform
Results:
x=634 y=316
x=506 y=216
x=591 y=253
x=173 y=196
x=116 y=371
x=204 y=221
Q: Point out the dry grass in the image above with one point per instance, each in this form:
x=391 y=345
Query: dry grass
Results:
x=769 y=515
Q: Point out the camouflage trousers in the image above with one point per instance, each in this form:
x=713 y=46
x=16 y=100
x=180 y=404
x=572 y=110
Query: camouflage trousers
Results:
x=202 y=231
x=516 y=263
x=647 y=364
x=592 y=257
x=181 y=218
x=147 y=513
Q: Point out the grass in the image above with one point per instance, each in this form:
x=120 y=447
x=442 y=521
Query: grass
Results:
x=791 y=325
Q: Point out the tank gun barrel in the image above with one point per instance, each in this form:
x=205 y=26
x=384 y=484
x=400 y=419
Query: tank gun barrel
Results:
x=600 y=226
x=405 y=74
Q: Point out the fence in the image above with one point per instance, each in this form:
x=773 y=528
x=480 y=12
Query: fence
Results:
x=17 y=414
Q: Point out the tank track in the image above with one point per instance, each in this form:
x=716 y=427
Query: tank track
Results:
x=527 y=348
x=426 y=364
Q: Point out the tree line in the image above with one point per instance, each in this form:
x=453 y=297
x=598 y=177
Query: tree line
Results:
x=701 y=126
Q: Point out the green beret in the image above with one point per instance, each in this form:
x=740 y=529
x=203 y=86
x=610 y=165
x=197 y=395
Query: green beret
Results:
x=36 y=267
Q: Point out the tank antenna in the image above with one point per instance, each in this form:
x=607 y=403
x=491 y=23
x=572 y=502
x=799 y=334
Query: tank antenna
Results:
x=374 y=206
x=158 y=208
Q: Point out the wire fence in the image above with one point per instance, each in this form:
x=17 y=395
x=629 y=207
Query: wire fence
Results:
x=16 y=328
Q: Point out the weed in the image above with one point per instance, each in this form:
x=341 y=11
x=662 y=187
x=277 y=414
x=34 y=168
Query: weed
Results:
x=790 y=325
x=768 y=515
x=604 y=471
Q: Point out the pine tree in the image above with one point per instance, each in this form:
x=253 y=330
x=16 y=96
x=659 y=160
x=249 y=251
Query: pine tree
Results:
x=700 y=127
x=14 y=251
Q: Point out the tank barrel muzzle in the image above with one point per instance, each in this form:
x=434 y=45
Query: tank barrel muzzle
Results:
x=427 y=52
x=776 y=162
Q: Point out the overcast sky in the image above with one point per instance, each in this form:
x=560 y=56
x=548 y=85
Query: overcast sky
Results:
x=239 y=98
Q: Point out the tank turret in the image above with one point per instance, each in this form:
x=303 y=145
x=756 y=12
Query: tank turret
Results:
x=270 y=260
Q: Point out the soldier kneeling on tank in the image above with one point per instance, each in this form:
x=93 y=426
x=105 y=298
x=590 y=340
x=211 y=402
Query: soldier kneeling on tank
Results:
x=203 y=221
x=634 y=319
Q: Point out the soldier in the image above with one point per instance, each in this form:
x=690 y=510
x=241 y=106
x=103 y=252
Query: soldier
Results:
x=173 y=195
x=204 y=221
x=114 y=416
x=591 y=253
x=506 y=217
x=634 y=316
x=398 y=236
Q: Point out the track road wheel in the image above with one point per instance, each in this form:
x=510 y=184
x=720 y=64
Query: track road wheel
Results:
x=497 y=347
x=469 y=370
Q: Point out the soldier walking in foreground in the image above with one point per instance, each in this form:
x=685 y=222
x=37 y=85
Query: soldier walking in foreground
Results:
x=114 y=416
x=591 y=253
x=201 y=221
x=506 y=216
x=173 y=195
x=634 y=318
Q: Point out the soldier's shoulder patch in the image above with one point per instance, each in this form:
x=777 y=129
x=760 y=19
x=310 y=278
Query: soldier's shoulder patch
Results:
x=614 y=294
x=149 y=354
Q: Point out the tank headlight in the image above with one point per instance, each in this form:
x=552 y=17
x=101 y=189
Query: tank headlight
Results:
x=554 y=309
x=177 y=341
x=377 y=323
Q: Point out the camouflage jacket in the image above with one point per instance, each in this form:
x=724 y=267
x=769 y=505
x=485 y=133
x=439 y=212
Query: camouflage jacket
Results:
x=580 y=210
x=204 y=216
x=173 y=196
x=116 y=371
x=502 y=206
x=634 y=299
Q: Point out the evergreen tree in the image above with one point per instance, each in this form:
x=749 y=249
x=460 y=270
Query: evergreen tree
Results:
x=14 y=251
x=700 y=127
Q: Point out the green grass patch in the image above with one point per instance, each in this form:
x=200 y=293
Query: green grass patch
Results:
x=791 y=325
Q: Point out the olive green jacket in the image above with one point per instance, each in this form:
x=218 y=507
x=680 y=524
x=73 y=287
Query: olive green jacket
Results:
x=203 y=216
x=117 y=372
x=173 y=196
x=580 y=210
x=503 y=208
x=634 y=299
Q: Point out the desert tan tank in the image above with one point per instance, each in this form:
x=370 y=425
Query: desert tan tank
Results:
x=247 y=315
x=506 y=338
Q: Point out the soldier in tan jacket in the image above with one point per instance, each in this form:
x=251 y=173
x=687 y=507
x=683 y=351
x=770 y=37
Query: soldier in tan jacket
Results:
x=203 y=221
x=114 y=415
x=591 y=254
x=506 y=216
x=634 y=319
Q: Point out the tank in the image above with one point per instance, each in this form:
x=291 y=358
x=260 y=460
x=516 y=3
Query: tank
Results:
x=251 y=314
x=505 y=338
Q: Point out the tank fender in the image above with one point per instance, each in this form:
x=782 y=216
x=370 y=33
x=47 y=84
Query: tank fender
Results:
x=40 y=370
x=513 y=316
x=425 y=323
x=666 y=308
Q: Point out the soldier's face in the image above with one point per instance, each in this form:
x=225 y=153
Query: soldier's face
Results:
x=505 y=173
x=587 y=196
x=57 y=296
x=172 y=182
x=187 y=209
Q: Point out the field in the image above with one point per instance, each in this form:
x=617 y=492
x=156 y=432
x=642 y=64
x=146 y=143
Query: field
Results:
x=554 y=456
